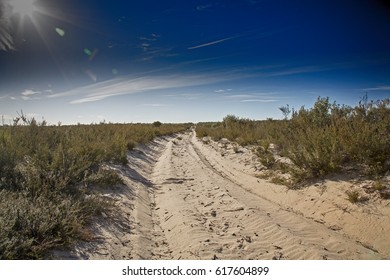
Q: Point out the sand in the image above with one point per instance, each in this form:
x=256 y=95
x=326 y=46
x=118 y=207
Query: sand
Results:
x=186 y=199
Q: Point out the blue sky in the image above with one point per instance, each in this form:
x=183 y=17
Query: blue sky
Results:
x=178 y=61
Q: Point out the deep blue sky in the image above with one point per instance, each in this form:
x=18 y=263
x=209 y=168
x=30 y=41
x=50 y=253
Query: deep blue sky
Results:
x=174 y=61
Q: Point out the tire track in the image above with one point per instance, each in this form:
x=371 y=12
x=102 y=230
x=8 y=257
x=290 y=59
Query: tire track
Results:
x=205 y=214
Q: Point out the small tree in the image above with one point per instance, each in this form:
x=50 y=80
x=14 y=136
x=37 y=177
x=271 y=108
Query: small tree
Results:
x=229 y=121
x=286 y=111
x=157 y=124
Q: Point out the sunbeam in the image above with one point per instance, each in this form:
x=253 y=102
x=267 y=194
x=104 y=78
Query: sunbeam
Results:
x=23 y=7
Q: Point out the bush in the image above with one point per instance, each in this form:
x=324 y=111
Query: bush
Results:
x=131 y=145
x=320 y=140
x=104 y=178
x=29 y=227
x=157 y=124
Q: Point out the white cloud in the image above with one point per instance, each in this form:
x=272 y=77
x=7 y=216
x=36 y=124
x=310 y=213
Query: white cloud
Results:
x=29 y=92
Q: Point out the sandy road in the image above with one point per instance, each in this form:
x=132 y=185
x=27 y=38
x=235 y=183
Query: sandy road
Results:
x=199 y=212
x=183 y=200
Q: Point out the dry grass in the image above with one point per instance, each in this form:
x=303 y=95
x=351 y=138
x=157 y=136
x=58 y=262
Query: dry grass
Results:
x=46 y=174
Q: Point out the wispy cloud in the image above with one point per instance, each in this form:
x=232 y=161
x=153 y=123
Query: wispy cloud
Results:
x=146 y=41
x=262 y=97
x=118 y=87
x=153 y=37
x=288 y=70
x=211 y=43
x=247 y=34
x=185 y=96
x=250 y=95
x=247 y=96
x=300 y=70
x=150 y=48
x=260 y=100
x=238 y=96
x=385 y=88
x=155 y=52
x=222 y=90
x=29 y=92
x=160 y=81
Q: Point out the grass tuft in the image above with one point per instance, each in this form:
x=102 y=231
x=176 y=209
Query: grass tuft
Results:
x=353 y=196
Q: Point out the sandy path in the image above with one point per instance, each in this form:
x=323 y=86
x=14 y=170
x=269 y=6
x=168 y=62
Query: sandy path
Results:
x=182 y=201
x=201 y=213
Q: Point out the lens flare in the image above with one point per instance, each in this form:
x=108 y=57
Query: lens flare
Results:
x=23 y=7
x=60 y=31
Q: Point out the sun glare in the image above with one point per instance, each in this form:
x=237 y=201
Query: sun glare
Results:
x=23 y=7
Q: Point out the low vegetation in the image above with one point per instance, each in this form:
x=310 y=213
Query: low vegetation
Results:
x=318 y=141
x=46 y=174
x=354 y=196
